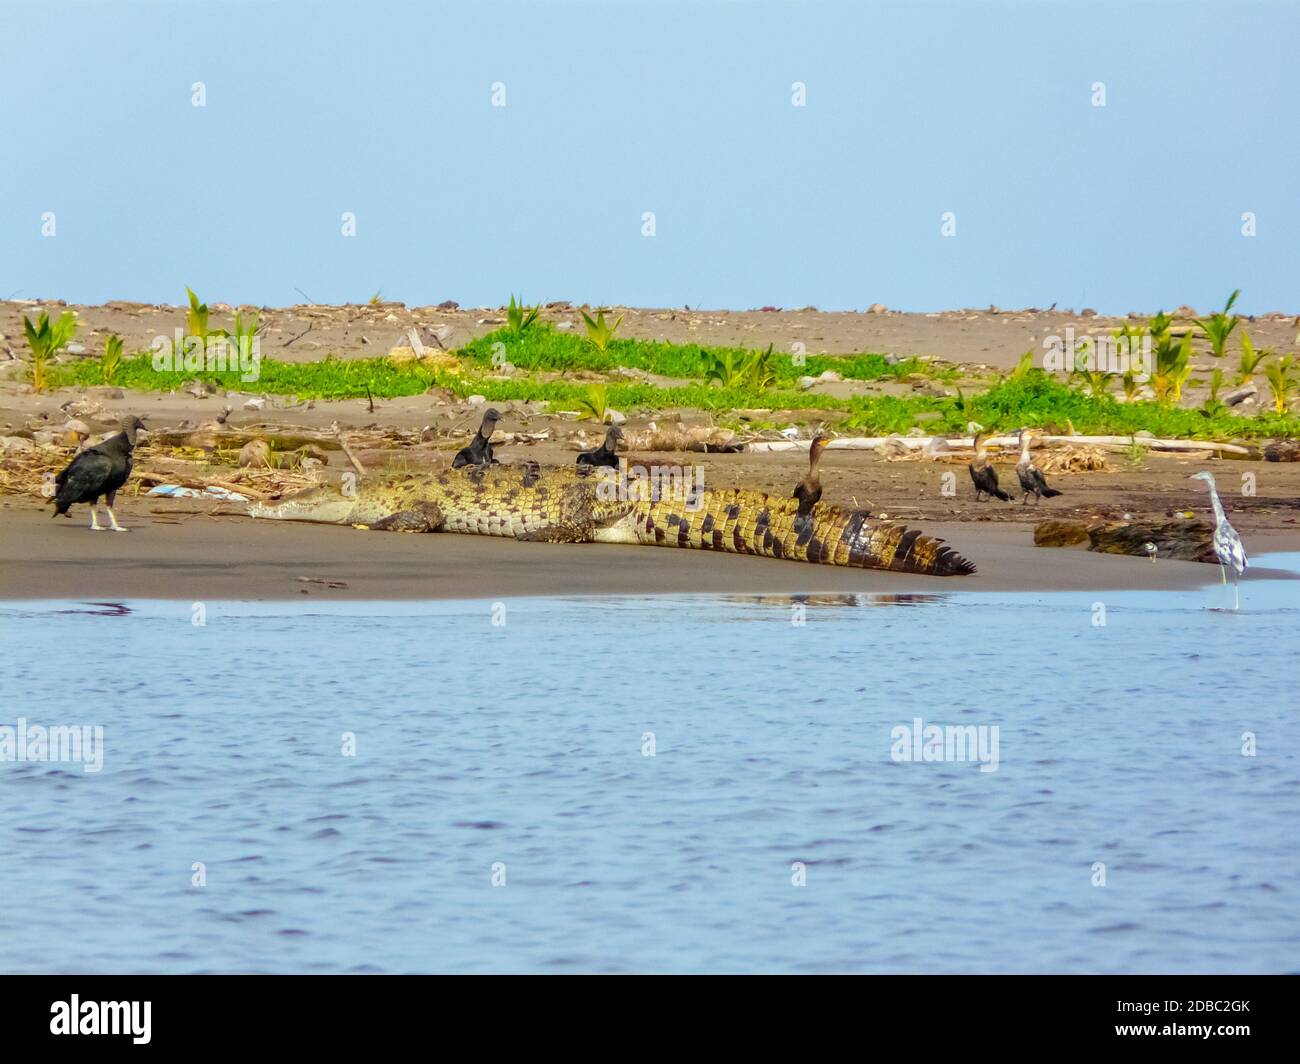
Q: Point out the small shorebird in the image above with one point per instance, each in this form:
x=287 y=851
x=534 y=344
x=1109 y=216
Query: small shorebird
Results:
x=1032 y=481
x=1227 y=544
x=984 y=476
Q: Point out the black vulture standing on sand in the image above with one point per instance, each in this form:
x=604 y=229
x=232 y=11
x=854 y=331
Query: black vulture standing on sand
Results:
x=1032 y=481
x=606 y=454
x=97 y=471
x=984 y=475
x=479 y=450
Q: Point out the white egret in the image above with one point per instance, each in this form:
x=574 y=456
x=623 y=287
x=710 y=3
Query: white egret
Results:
x=1227 y=544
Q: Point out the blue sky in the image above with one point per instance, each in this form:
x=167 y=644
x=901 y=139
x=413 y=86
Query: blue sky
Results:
x=618 y=108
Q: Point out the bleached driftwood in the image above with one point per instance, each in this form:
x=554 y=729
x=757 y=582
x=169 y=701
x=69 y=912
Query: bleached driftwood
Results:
x=917 y=443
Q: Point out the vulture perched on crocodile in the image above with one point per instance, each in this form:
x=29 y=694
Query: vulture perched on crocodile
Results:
x=478 y=452
x=606 y=454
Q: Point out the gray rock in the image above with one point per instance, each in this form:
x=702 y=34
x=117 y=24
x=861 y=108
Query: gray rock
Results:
x=1238 y=395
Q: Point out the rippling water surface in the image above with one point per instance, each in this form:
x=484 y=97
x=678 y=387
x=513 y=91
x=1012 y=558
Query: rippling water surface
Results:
x=520 y=751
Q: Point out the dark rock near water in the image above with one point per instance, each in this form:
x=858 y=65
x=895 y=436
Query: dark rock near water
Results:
x=1282 y=451
x=1180 y=539
x=1060 y=533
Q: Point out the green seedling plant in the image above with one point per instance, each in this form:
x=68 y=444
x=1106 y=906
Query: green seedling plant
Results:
x=1219 y=325
x=728 y=367
x=599 y=332
x=759 y=371
x=46 y=339
x=594 y=402
x=244 y=333
x=519 y=318
x=1160 y=323
x=1282 y=380
x=1135 y=454
x=1098 y=383
x=1023 y=367
x=1131 y=386
x=1173 y=367
x=1130 y=334
x=111 y=362
x=1250 y=360
x=1213 y=405
x=197 y=317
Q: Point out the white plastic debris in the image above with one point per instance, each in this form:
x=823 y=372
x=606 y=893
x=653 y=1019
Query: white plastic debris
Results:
x=176 y=491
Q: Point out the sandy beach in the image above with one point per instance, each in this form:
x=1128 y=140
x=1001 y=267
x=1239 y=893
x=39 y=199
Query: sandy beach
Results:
x=191 y=549
x=990 y=335
x=195 y=549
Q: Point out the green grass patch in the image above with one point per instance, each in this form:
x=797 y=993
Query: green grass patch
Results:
x=548 y=349
x=355 y=378
x=1039 y=401
x=328 y=379
x=1034 y=400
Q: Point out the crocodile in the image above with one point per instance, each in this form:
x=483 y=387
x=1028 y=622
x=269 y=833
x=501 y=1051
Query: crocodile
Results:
x=569 y=504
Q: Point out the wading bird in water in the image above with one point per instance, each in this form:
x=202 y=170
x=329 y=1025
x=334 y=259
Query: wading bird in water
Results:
x=1032 y=481
x=809 y=490
x=984 y=476
x=1227 y=544
x=478 y=452
x=97 y=471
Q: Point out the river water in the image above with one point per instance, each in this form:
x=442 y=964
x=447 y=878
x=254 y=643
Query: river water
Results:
x=675 y=784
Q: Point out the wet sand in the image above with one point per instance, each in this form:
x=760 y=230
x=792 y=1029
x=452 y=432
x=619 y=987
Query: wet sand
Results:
x=196 y=556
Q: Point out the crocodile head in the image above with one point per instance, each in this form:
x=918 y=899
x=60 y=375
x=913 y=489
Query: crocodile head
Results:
x=326 y=504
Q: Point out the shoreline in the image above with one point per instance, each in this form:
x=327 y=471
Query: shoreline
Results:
x=234 y=558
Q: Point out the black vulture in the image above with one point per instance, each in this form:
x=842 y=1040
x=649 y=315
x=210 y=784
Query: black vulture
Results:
x=479 y=450
x=1032 y=481
x=809 y=490
x=606 y=453
x=97 y=471
x=984 y=475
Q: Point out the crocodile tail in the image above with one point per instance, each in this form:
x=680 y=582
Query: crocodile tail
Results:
x=747 y=522
x=894 y=547
x=917 y=553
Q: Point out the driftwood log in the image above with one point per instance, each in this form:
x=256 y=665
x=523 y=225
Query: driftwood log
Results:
x=234 y=441
x=1188 y=541
x=915 y=443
